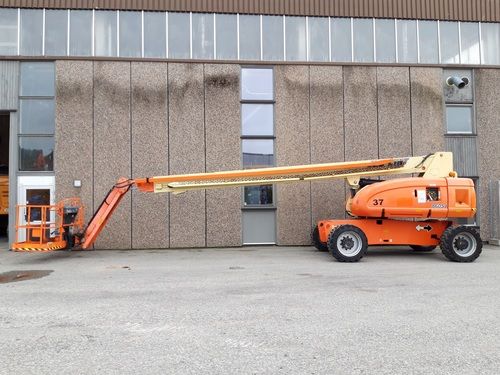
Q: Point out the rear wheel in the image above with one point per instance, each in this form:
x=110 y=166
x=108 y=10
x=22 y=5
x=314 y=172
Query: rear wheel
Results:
x=321 y=246
x=422 y=248
x=461 y=244
x=347 y=243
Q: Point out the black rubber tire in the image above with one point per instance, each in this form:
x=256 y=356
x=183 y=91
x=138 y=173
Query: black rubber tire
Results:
x=422 y=248
x=337 y=253
x=449 y=238
x=321 y=246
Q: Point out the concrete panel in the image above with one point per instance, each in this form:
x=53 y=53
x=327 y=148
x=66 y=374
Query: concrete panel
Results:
x=488 y=137
x=360 y=113
x=186 y=152
x=149 y=152
x=222 y=137
x=394 y=117
x=73 y=155
x=9 y=81
x=427 y=110
x=112 y=147
x=327 y=139
x=292 y=147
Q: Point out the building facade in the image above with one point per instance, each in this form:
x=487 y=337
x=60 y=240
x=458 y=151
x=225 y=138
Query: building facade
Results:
x=92 y=91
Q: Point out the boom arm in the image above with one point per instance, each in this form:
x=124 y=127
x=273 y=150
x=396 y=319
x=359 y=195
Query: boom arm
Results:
x=435 y=165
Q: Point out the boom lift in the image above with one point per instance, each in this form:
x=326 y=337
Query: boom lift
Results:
x=412 y=211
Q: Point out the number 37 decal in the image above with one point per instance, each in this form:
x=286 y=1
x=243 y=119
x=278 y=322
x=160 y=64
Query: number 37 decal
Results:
x=378 y=202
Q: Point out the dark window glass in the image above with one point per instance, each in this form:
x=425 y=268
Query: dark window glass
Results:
x=249 y=38
x=258 y=195
x=203 y=36
x=80 y=33
x=37 y=116
x=37 y=79
x=155 y=34
x=36 y=153
x=178 y=36
x=130 y=34
x=31 y=32
x=257 y=119
x=256 y=84
x=56 y=32
x=341 y=39
x=226 y=36
x=8 y=31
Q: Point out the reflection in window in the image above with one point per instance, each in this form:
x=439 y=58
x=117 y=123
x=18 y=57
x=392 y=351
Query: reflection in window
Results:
x=450 y=50
x=130 y=34
x=341 y=39
x=258 y=195
x=428 y=42
x=203 y=36
x=37 y=116
x=155 y=39
x=272 y=38
x=469 y=33
x=407 y=41
x=385 y=40
x=56 y=32
x=257 y=153
x=459 y=119
x=36 y=153
x=318 y=39
x=490 y=40
x=8 y=31
x=257 y=119
x=295 y=29
x=249 y=37
x=80 y=37
x=226 y=36
x=105 y=33
x=31 y=32
x=178 y=36
x=37 y=79
x=363 y=40
x=256 y=84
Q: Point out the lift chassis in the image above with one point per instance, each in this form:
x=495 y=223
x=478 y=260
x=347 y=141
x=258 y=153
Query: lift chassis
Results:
x=418 y=211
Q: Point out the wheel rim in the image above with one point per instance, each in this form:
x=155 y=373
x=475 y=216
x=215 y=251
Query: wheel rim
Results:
x=349 y=243
x=464 y=244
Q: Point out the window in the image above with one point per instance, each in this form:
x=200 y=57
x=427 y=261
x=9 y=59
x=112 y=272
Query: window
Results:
x=272 y=38
x=490 y=40
x=318 y=39
x=257 y=84
x=249 y=37
x=31 y=32
x=226 y=36
x=295 y=30
x=178 y=36
x=80 y=35
x=37 y=116
x=341 y=39
x=469 y=43
x=8 y=31
x=407 y=41
x=450 y=51
x=385 y=40
x=257 y=119
x=105 y=33
x=459 y=119
x=56 y=32
x=428 y=42
x=155 y=36
x=258 y=153
x=130 y=34
x=203 y=36
x=363 y=40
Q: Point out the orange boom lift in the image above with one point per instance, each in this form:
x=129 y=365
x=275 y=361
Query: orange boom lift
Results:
x=413 y=211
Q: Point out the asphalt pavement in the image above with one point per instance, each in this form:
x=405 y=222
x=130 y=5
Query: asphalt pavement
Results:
x=252 y=310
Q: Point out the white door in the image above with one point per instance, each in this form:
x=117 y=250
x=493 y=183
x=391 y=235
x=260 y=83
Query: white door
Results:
x=35 y=190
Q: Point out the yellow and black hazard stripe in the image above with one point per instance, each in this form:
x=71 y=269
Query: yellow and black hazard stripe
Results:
x=42 y=249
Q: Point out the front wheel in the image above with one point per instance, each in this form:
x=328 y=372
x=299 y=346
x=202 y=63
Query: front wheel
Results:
x=461 y=244
x=347 y=243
